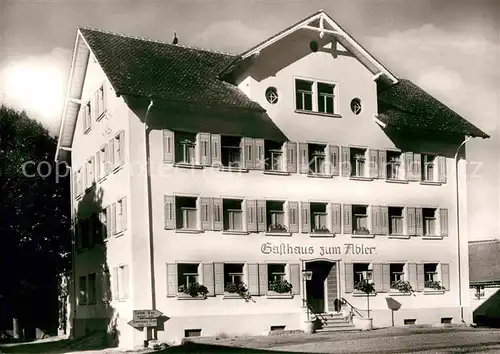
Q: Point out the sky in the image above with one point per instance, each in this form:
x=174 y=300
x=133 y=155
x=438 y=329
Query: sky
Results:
x=451 y=48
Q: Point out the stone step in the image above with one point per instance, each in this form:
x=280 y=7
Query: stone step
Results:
x=338 y=329
x=337 y=324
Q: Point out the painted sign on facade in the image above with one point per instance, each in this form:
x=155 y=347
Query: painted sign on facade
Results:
x=284 y=249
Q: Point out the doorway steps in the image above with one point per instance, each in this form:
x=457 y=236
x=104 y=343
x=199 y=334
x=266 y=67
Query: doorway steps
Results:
x=332 y=322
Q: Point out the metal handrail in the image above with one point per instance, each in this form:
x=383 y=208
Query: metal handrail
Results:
x=352 y=307
x=323 y=318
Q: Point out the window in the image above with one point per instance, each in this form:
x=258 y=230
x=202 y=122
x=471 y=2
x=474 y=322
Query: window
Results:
x=394 y=166
x=396 y=221
x=396 y=272
x=82 y=290
x=275 y=272
x=88 y=117
x=356 y=106
x=186 y=212
x=361 y=271
x=315 y=96
x=185 y=145
x=274 y=156
x=100 y=102
x=303 y=95
x=92 y=289
x=319 y=217
x=430 y=274
x=275 y=216
x=187 y=274
x=326 y=98
x=233 y=214
x=429 y=216
x=317 y=159
x=429 y=168
x=231 y=152
x=358 y=162
x=106 y=286
x=272 y=95
x=233 y=274
x=360 y=219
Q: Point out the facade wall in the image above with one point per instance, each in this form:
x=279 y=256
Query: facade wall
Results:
x=276 y=66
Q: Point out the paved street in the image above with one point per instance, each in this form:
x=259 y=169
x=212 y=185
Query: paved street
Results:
x=390 y=340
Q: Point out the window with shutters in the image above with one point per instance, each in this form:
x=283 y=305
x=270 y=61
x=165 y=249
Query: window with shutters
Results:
x=92 y=289
x=319 y=218
x=396 y=221
x=430 y=221
x=100 y=109
x=429 y=170
x=431 y=276
x=276 y=273
x=231 y=154
x=185 y=147
x=394 y=165
x=233 y=274
x=186 y=213
x=233 y=214
x=106 y=286
x=275 y=216
x=87 y=114
x=317 y=159
x=358 y=162
x=361 y=271
x=187 y=273
x=397 y=273
x=82 y=290
x=360 y=219
x=274 y=157
x=313 y=96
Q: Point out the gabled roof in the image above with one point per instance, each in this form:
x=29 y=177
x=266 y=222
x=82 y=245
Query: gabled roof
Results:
x=150 y=68
x=484 y=262
x=405 y=105
x=324 y=25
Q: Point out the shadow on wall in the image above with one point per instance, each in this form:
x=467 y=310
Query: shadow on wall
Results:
x=488 y=313
x=92 y=316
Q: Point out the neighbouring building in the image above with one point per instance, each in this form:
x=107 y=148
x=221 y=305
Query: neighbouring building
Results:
x=484 y=270
x=279 y=177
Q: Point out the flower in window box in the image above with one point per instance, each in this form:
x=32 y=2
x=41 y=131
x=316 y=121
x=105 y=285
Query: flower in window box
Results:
x=321 y=230
x=432 y=284
x=233 y=288
x=280 y=286
x=181 y=289
x=362 y=231
x=277 y=228
x=402 y=286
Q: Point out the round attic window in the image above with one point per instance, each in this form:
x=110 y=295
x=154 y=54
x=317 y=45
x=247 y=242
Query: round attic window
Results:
x=356 y=106
x=272 y=95
x=314 y=46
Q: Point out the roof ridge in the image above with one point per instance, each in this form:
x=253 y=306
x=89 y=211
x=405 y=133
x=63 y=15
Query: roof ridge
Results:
x=484 y=241
x=147 y=39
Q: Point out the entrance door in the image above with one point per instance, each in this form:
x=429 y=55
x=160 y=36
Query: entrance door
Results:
x=321 y=290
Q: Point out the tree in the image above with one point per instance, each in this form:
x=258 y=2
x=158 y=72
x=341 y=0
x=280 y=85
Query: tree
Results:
x=35 y=242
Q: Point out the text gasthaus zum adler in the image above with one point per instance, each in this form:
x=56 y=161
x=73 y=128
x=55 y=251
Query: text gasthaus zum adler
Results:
x=287 y=249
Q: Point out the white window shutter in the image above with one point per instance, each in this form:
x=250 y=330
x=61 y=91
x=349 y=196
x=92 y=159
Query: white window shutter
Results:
x=291 y=157
x=261 y=215
x=172 y=279
x=124 y=216
x=122 y=147
x=259 y=162
x=293 y=216
x=253 y=279
x=445 y=276
x=374 y=167
x=419 y=222
x=113 y=218
x=217 y=213
x=410 y=221
x=384 y=220
x=219 y=278
x=251 y=215
x=216 y=150
x=204 y=148
x=443 y=221
x=305 y=216
x=442 y=168
x=336 y=217
x=263 y=279
x=208 y=278
x=346 y=161
x=169 y=212
x=249 y=153
x=303 y=158
x=295 y=278
x=348 y=277
x=168 y=146
x=347 y=218
x=376 y=218
x=386 y=278
x=382 y=164
x=420 y=277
